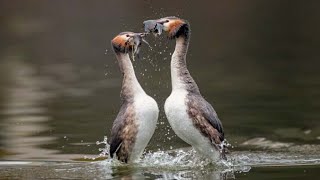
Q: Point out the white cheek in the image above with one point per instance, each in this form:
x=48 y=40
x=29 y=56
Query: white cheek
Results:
x=166 y=27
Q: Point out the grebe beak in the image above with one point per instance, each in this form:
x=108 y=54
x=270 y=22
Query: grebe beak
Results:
x=136 y=41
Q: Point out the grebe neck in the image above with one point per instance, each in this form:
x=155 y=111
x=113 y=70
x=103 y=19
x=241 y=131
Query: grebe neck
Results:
x=130 y=85
x=180 y=76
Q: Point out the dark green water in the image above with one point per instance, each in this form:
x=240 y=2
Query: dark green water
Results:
x=256 y=62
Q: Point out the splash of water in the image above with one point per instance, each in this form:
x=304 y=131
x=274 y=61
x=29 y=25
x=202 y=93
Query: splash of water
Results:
x=143 y=40
x=188 y=158
x=177 y=159
x=104 y=152
x=173 y=159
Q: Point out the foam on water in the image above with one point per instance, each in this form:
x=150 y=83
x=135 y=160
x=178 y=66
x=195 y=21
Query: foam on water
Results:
x=173 y=164
x=104 y=152
x=188 y=158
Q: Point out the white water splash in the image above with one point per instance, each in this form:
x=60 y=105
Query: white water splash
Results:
x=188 y=158
x=178 y=158
x=104 y=152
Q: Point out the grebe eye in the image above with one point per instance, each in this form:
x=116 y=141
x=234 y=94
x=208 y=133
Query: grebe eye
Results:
x=127 y=35
x=167 y=20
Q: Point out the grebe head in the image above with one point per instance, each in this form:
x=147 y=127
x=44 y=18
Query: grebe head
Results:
x=173 y=25
x=126 y=42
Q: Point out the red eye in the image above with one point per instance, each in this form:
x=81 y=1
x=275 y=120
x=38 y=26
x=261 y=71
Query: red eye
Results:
x=164 y=22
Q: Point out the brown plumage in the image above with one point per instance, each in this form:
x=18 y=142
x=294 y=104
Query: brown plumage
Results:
x=126 y=141
x=206 y=120
x=198 y=111
x=123 y=133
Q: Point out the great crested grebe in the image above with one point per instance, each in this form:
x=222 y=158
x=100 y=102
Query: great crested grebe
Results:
x=136 y=121
x=191 y=117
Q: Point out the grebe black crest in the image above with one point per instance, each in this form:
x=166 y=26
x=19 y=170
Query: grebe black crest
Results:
x=191 y=117
x=136 y=121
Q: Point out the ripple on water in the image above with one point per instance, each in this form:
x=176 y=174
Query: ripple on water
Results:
x=174 y=164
